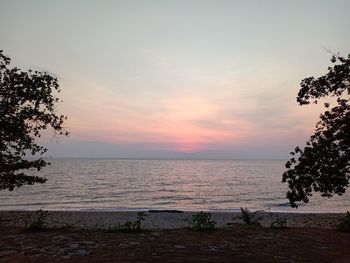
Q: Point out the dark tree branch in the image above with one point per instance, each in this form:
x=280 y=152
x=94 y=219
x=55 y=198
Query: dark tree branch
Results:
x=27 y=107
x=324 y=163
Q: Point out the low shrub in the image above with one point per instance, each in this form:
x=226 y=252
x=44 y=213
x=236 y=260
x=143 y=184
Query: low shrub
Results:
x=344 y=224
x=202 y=222
x=140 y=217
x=37 y=221
x=251 y=218
x=279 y=223
x=129 y=226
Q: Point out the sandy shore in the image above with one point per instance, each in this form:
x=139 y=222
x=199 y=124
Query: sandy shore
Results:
x=162 y=220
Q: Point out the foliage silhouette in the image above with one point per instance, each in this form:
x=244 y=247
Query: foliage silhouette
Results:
x=37 y=221
x=129 y=226
x=251 y=218
x=324 y=163
x=344 y=224
x=279 y=223
x=27 y=108
x=202 y=222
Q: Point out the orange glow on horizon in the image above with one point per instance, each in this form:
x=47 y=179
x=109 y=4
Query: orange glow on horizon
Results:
x=188 y=148
x=185 y=123
x=178 y=123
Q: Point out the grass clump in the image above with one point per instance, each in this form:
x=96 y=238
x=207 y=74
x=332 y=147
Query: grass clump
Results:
x=344 y=224
x=37 y=221
x=129 y=226
x=202 y=222
x=251 y=218
x=279 y=223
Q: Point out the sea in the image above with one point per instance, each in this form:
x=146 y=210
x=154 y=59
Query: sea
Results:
x=142 y=184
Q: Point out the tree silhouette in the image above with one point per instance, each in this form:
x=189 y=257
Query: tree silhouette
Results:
x=27 y=108
x=324 y=163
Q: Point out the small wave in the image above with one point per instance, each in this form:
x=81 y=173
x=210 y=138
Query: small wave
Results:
x=164 y=203
x=168 y=190
x=284 y=204
x=174 y=197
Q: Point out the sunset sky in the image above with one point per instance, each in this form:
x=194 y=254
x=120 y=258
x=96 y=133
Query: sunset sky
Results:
x=201 y=79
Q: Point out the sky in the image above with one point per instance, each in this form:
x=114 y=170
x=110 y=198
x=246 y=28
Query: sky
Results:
x=178 y=79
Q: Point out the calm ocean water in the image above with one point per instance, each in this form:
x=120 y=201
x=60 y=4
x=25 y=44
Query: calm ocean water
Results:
x=119 y=184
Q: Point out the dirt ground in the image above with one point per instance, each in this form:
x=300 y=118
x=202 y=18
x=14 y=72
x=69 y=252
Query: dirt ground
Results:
x=241 y=244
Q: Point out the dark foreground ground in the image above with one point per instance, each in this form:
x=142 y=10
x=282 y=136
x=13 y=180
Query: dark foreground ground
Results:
x=224 y=245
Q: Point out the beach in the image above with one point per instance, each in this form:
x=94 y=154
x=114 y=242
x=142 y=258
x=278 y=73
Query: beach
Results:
x=82 y=236
x=162 y=219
